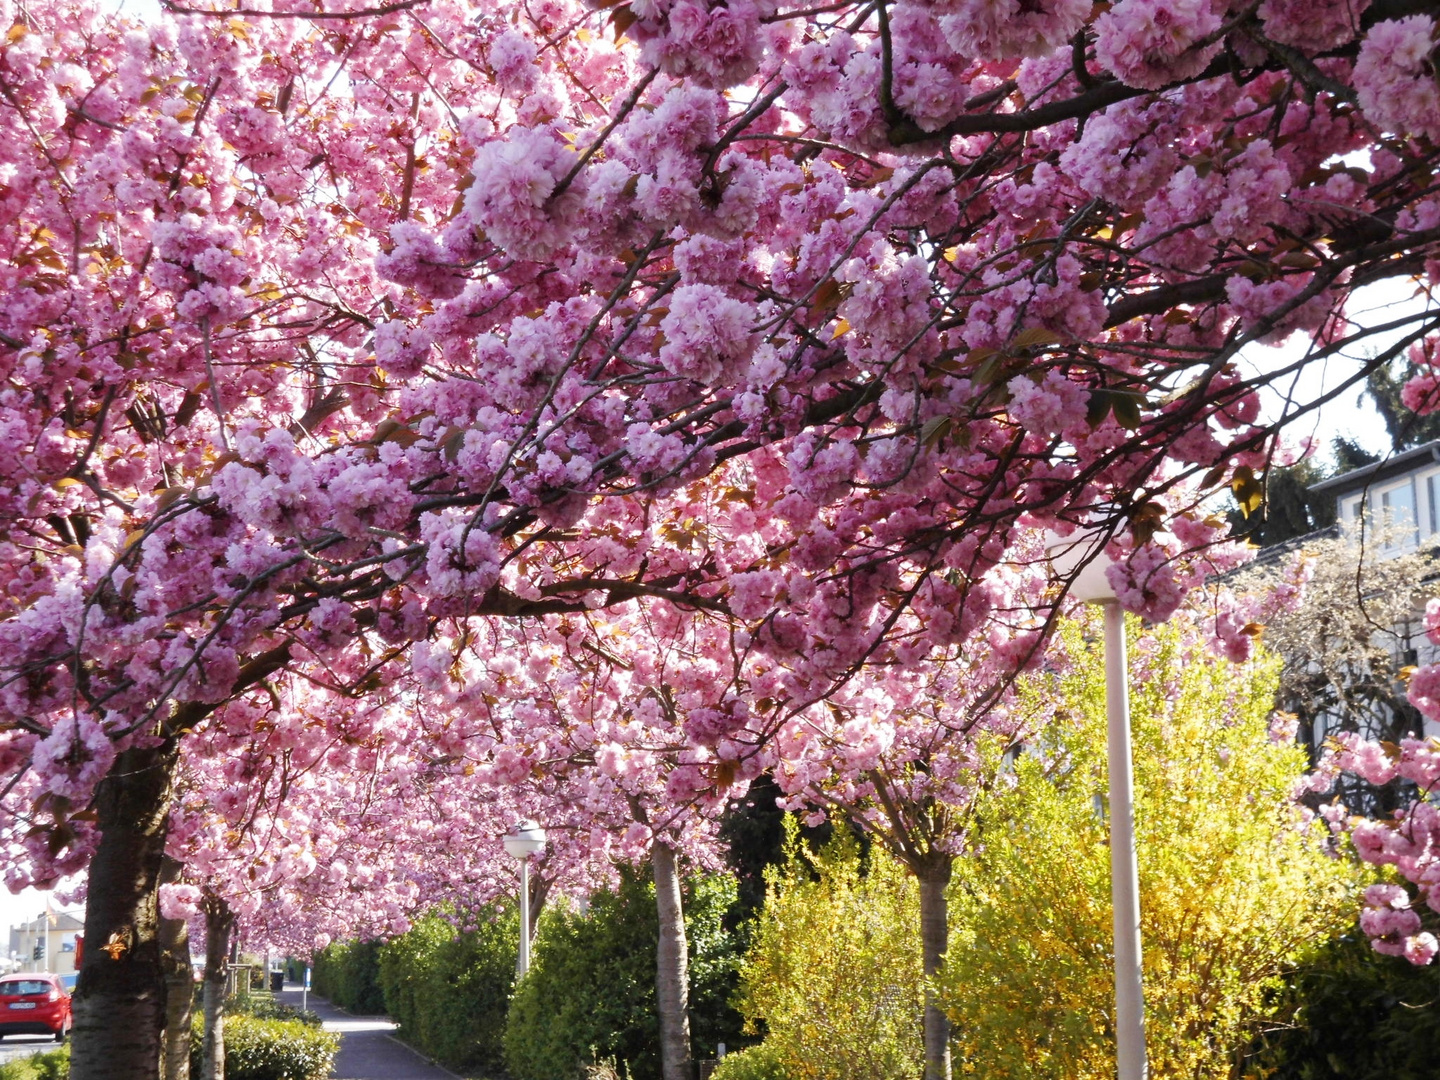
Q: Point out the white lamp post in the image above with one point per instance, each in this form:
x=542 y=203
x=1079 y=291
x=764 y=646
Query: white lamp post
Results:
x=1091 y=586
x=524 y=842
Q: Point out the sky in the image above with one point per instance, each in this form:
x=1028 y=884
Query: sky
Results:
x=1352 y=414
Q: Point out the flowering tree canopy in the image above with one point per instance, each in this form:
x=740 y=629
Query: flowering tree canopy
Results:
x=1409 y=840
x=328 y=328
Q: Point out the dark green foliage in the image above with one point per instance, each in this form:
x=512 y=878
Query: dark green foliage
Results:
x=753 y=828
x=347 y=973
x=1406 y=428
x=449 y=989
x=1358 y=1016
x=270 y=1049
x=47 y=1065
x=715 y=956
x=1290 y=508
x=590 y=992
x=1350 y=455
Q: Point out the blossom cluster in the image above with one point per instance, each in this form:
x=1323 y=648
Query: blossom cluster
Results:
x=413 y=362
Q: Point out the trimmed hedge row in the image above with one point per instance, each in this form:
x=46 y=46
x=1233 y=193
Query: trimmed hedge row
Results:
x=589 y=996
x=258 y=1049
x=347 y=973
x=255 y=1049
x=449 y=989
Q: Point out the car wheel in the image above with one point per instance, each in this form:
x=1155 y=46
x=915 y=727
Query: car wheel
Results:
x=61 y=1035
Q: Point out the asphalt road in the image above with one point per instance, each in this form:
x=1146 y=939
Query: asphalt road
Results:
x=19 y=1046
x=367 y=1049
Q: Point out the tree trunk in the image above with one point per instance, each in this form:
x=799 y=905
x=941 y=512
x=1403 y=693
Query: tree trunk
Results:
x=539 y=893
x=179 y=988
x=934 y=875
x=219 y=925
x=119 y=1003
x=672 y=974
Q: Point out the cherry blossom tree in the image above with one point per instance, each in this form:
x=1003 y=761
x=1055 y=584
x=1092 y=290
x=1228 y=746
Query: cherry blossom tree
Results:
x=329 y=328
x=607 y=726
x=1347 y=647
x=1409 y=839
x=273 y=849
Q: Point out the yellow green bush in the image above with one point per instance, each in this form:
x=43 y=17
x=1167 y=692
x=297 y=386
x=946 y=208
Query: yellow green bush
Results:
x=1234 y=889
x=833 y=972
x=752 y=1063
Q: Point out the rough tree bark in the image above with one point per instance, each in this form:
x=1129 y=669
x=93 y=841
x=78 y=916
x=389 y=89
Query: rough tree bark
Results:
x=219 y=926
x=934 y=875
x=539 y=893
x=672 y=974
x=120 y=999
x=179 y=988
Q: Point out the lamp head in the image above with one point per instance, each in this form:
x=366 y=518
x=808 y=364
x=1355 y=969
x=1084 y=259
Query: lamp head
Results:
x=1068 y=553
x=525 y=840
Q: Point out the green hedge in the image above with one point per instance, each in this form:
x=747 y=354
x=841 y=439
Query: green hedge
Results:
x=1357 y=1015
x=270 y=1049
x=590 y=992
x=449 y=990
x=47 y=1065
x=265 y=1007
x=752 y=1063
x=347 y=974
x=254 y=1050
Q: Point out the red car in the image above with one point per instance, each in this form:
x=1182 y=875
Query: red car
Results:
x=34 y=1005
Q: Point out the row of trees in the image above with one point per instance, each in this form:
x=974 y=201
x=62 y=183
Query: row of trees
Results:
x=1200 y=705
x=1248 y=896
x=418 y=417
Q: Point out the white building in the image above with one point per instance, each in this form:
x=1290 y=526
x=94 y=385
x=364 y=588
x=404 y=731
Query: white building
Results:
x=1402 y=492
x=1399 y=498
x=46 y=942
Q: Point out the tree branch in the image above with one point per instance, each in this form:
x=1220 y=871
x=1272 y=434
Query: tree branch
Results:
x=363 y=13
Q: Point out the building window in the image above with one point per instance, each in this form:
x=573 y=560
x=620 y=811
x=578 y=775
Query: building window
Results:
x=1397 y=515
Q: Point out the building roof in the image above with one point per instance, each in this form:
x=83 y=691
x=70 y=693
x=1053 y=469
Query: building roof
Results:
x=58 y=922
x=1380 y=471
x=1275 y=552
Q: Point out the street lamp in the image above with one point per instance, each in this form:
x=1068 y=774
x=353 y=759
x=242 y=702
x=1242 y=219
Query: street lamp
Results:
x=524 y=842
x=1092 y=586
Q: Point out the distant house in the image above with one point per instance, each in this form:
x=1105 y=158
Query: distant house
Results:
x=46 y=942
x=1401 y=493
x=1398 y=499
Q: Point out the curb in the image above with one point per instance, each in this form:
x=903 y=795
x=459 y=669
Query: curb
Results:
x=422 y=1057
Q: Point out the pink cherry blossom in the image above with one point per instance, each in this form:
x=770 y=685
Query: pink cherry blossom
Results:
x=1394 y=76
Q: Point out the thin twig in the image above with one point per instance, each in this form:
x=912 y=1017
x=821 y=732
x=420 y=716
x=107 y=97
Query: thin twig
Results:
x=363 y=13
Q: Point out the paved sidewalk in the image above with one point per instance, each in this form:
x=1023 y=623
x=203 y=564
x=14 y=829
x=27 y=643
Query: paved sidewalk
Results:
x=367 y=1049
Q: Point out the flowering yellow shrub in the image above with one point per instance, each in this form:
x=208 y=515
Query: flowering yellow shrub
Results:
x=834 y=969
x=1234 y=887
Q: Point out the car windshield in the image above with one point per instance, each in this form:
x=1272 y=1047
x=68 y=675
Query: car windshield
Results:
x=25 y=986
